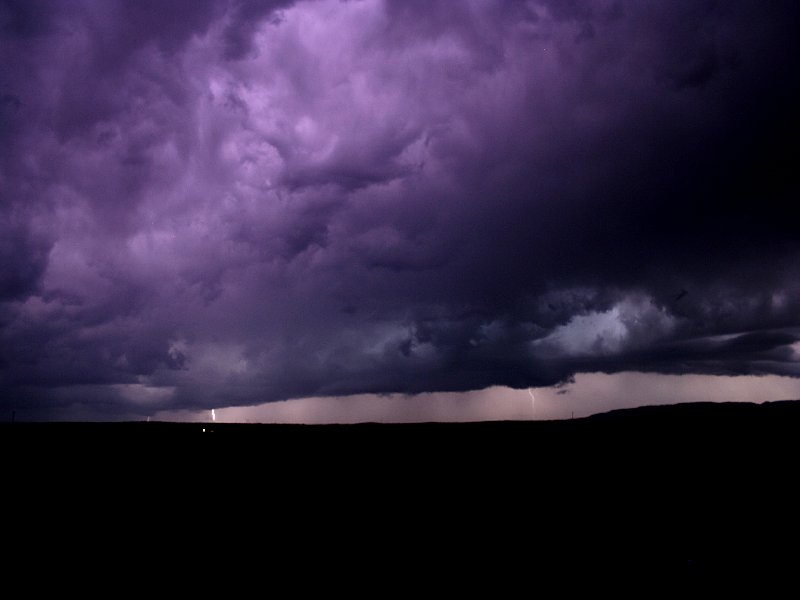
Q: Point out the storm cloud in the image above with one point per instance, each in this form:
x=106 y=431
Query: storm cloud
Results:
x=229 y=202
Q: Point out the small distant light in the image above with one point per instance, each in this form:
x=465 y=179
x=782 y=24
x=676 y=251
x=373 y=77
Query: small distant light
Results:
x=204 y=429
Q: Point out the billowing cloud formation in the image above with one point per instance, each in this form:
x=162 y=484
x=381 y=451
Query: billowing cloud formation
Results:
x=226 y=202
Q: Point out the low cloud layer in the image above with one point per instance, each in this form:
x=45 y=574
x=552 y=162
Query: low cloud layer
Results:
x=227 y=202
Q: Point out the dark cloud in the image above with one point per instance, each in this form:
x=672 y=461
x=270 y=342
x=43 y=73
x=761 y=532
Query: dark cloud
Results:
x=229 y=202
x=24 y=18
x=245 y=17
x=23 y=255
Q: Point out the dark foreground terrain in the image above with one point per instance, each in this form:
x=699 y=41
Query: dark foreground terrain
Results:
x=688 y=498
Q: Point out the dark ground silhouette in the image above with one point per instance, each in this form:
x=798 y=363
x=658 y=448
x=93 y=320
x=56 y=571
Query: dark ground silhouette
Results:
x=692 y=498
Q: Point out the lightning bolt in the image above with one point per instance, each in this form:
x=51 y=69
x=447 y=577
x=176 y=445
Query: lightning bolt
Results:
x=533 y=400
x=213 y=415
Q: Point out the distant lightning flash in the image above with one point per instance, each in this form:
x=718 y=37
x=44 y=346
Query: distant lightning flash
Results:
x=533 y=400
x=213 y=415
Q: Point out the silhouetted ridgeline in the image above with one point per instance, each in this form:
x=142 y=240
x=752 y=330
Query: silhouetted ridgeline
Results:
x=700 y=441
x=706 y=419
x=691 y=494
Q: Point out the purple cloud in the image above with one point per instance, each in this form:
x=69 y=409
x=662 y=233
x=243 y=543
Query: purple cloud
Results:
x=230 y=202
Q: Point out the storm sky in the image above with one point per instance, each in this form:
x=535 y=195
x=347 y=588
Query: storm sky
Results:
x=222 y=203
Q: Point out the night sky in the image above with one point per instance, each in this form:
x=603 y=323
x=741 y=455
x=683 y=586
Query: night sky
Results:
x=421 y=206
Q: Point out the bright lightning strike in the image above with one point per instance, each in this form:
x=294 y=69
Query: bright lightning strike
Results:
x=213 y=415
